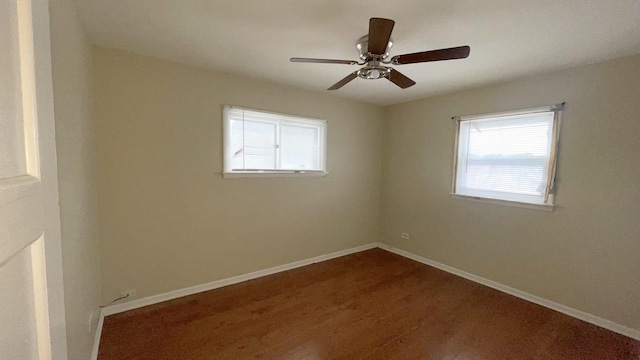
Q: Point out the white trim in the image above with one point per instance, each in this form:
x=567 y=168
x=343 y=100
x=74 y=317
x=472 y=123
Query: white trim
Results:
x=43 y=164
x=544 y=207
x=96 y=340
x=134 y=304
x=578 y=314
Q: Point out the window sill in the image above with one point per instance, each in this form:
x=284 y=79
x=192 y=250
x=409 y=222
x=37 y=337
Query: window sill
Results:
x=266 y=174
x=543 y=207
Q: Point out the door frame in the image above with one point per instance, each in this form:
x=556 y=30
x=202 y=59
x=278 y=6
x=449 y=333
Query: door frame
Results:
x=44 y=111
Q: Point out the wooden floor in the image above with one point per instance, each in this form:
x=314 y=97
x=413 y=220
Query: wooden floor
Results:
x=370 y=305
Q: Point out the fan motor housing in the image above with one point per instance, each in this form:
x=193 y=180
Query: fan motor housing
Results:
x=362 y=45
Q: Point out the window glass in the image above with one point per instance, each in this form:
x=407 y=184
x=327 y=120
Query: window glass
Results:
x=506 y=157
x=254 y=145
x=299 y=147
x=257 y=142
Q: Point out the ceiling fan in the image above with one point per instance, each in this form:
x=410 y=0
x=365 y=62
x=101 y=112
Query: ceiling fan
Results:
x=373 y=50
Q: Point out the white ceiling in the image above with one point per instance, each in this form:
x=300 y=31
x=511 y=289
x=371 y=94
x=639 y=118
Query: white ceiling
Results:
x=256 y=38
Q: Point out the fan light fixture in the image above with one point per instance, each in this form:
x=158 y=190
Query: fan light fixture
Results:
x=373 y=73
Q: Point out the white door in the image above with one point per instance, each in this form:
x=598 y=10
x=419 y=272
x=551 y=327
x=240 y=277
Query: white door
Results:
x=32 y=324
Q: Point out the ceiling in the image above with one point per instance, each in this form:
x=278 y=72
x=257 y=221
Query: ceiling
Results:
x=254 y=38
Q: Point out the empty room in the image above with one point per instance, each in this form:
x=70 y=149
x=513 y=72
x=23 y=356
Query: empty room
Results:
x=319 y=179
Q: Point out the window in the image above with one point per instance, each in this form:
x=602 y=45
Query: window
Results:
x=508 y=156
x=258 y=143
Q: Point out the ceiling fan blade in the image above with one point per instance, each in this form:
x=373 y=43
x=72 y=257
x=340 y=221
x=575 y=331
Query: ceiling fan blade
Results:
x=379 y=34
x=399 y=79
x=460 y=52
x=344 y=81
x=323 y=61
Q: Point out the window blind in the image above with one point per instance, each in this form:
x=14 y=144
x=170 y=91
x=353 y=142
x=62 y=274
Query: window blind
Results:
x=506 y=157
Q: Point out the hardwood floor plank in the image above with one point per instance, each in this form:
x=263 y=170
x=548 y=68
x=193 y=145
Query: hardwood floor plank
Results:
x=369 y=305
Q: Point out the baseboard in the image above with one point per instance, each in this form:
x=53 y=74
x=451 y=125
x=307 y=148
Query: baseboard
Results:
x=118 y=308
x=592 y=319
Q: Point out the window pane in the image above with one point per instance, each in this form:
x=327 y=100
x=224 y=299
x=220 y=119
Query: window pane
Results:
x=299 y=147
x=237 y=143
x=510 y=177
x=253 y=145
x=270 y=143
x=505 y=157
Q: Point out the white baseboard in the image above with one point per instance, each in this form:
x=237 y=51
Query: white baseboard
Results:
x=134 y=304
x=592 y=319
x=114 y=309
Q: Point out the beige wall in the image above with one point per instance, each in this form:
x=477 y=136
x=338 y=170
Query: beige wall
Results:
x=168 y=218
x=586 y=253
x=71 y=61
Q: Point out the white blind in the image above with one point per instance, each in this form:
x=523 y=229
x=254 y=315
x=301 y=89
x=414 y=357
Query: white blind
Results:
x=505 y=157
x=253 y=144
x=259 y=141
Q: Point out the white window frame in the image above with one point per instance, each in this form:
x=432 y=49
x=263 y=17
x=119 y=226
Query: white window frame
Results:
x=548 y=202
x=282 y=119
